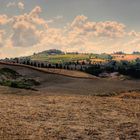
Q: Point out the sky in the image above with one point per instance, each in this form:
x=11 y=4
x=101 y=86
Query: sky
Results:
x=96 y=26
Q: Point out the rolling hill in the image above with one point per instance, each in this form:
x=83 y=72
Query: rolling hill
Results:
x=73 y=82
x=65 y=107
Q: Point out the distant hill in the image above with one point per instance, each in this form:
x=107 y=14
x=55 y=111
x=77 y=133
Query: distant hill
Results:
x=50 y=52
x=57 y=56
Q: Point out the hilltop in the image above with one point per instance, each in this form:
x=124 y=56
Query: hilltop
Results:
x=50 y=52
x=58 y=56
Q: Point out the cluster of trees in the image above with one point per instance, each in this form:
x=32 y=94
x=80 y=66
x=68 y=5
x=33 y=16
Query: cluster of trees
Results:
x=122 y=53
x=51 y=52
x=119 y=53
x=69 y=65
x=136 y=52
x=123 y=67
x=103 y=56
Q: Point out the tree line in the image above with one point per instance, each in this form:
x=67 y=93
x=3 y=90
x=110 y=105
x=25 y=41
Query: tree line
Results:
x=123 y=67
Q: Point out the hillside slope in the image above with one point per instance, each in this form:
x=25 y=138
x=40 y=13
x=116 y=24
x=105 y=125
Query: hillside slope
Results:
x=62 y=84
x=62 y=108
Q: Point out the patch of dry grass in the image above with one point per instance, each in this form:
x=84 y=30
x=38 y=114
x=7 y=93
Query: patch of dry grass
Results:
x=54 y=112
x=128 y=57
x=41 y=117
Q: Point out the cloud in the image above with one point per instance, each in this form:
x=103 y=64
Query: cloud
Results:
x=3 y=19
x=2 y=33
x=134 y=43
x=133 y=33
x=29 y=32
x=55 y=19
x=36 y=11
x=25 y=28
x=80 y=35
x=33 y=17
x=11 y=4
x=83 y=26
x=21 y=5
x=25 y=34
x=58 y=17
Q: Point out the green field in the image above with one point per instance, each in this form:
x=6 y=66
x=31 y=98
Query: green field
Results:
x=57 y=56
x=60 y=58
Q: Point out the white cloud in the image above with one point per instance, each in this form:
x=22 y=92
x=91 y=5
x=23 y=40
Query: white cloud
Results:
x=11 y=4
x=134 y=34
x=25 y=34
x=134 y=43
x=83 y=26
x=55 y=19
x=33 y=17
x=25 y=29
x=36 y=11
x=3 y=19
x=58 y=17
x=29 y=33
x=21 y=5
x=2 y=33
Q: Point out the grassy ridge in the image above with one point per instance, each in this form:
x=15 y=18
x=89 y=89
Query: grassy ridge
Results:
x=56 y=56
x=60 y=58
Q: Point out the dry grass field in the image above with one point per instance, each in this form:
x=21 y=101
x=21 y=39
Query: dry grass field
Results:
x=127 y=57
x=67 y=108
x=28 y=115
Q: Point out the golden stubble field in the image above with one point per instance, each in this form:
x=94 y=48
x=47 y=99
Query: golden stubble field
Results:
x=39 y=116
x=127 y=57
